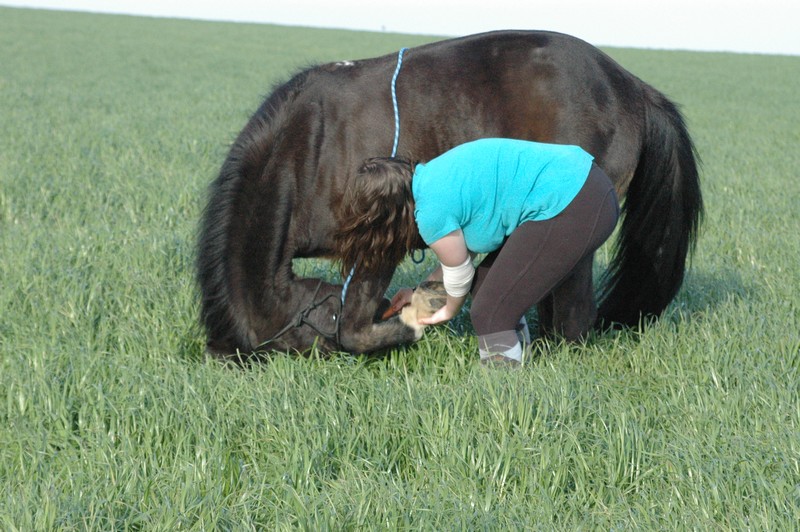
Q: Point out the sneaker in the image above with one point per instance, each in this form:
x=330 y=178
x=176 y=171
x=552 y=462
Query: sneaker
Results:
x=500 y=362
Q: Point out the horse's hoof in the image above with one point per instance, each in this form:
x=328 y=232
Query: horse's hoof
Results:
x=428 y=297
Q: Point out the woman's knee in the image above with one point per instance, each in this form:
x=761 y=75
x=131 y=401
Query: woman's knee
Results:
x=488 y=315
x=479 y=315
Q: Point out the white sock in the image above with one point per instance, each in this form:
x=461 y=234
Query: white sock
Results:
x=504 y=343
x=523 y=331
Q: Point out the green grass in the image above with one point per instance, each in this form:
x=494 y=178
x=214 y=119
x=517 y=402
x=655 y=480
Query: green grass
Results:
x=110 y=130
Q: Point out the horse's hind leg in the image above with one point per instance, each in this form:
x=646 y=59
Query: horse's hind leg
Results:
x=544 y=311
x=573 y=305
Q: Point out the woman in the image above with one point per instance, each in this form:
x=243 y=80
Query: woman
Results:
x=536 y=209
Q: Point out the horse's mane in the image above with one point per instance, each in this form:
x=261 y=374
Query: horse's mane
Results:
x=222 y=310
x=282 y=92
x=269 y=117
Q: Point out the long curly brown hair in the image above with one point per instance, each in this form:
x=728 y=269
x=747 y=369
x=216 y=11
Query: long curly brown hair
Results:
x=377 y=226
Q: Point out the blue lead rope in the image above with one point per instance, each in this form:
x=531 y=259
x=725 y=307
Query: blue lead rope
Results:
x=414 y=258
x=400 y=55
x=347 y=284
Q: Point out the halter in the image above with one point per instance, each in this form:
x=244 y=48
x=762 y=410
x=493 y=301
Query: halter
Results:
x=301 y=318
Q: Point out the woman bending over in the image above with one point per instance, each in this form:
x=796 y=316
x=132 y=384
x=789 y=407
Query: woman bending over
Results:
x=536 y=209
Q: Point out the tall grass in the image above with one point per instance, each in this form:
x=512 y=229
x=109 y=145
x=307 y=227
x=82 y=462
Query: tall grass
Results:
x=111 y=129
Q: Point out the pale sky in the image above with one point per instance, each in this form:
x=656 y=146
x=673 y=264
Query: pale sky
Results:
x=766 y=26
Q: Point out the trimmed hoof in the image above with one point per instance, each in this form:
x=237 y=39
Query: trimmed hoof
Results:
x=428 y=297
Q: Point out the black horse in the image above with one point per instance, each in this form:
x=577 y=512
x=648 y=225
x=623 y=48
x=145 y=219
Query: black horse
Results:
x=279 y=191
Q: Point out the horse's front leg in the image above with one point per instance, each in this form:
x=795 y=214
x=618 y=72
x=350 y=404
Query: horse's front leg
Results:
x=361 y=329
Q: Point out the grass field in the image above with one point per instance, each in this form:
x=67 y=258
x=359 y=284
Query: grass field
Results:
x=111 y=129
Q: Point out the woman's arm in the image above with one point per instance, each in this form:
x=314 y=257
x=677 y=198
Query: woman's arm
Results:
x=452 y=252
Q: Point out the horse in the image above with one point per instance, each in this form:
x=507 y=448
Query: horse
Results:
x=279 y=191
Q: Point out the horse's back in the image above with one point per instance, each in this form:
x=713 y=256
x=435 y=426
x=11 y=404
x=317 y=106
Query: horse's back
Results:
x=534 y=85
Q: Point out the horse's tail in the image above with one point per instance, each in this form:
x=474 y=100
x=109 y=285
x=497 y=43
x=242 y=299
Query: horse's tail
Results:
x=662 y=212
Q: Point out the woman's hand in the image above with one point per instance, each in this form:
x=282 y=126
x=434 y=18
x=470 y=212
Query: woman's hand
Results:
x=446 y=313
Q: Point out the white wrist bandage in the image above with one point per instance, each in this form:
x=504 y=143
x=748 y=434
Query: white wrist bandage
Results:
x=458 y=279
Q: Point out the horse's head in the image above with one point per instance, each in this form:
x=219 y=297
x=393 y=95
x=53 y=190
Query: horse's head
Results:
x=311 y=320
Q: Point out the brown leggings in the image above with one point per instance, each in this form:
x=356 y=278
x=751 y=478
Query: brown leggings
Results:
x=537 y=256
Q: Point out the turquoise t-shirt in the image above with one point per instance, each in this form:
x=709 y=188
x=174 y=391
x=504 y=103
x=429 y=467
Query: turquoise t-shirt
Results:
x=489 y=187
